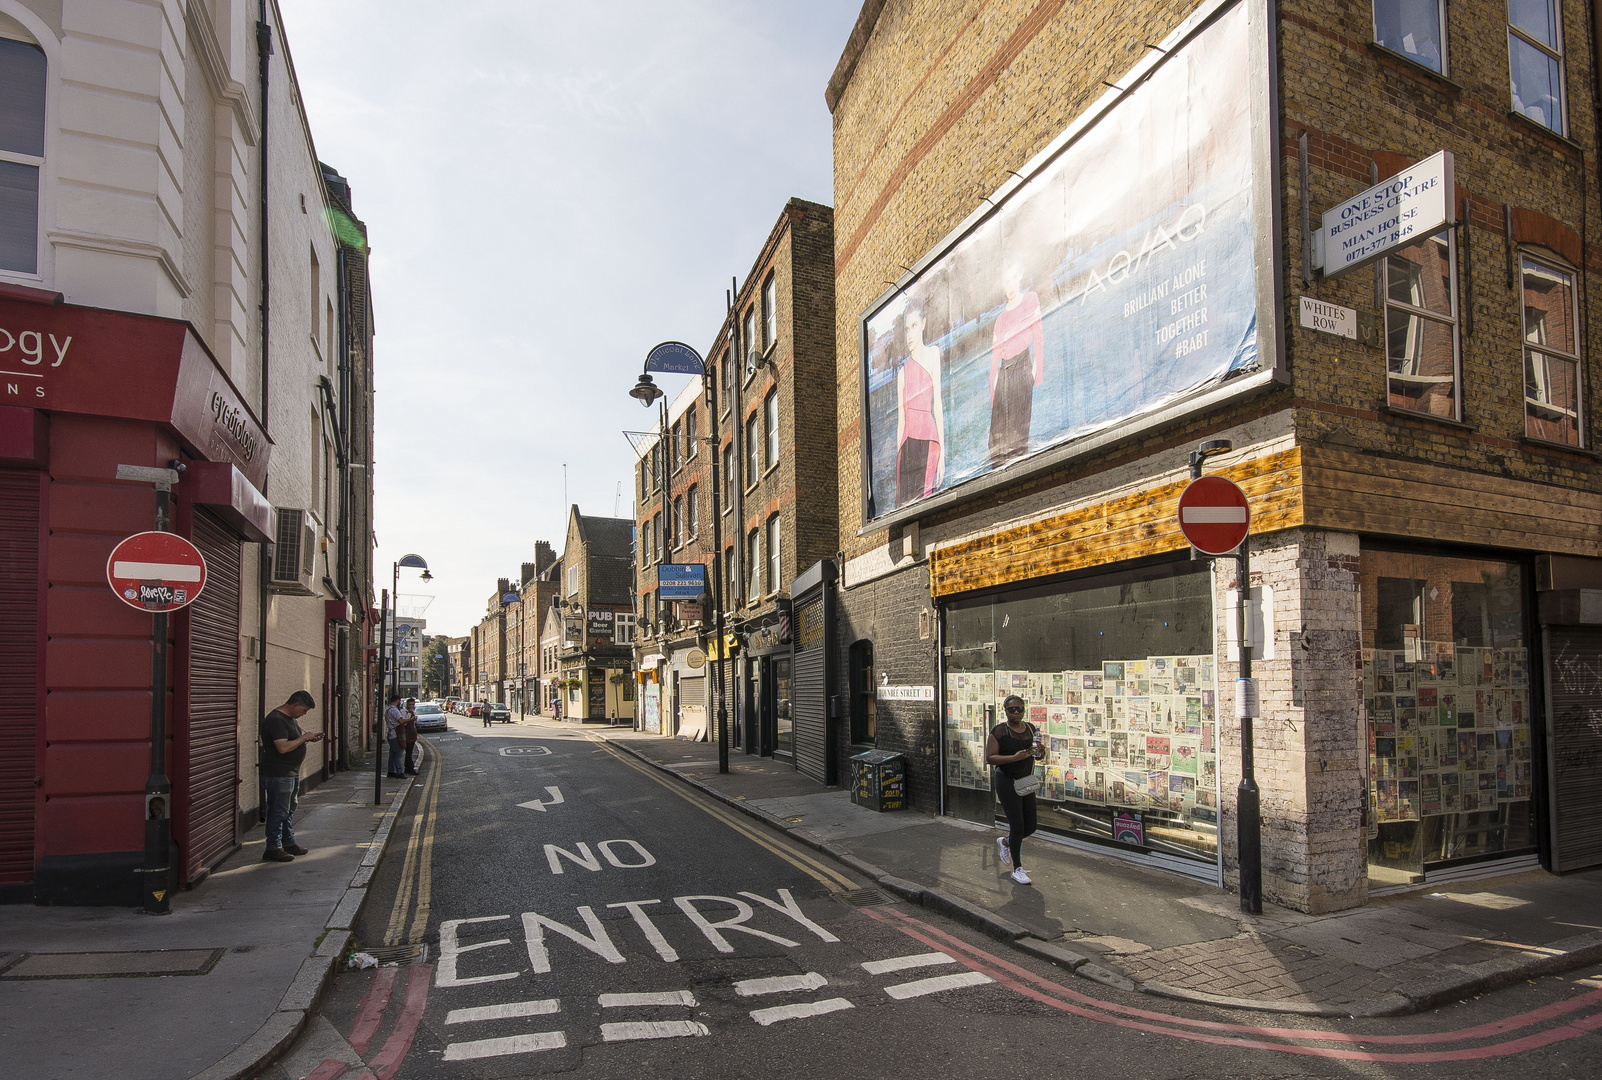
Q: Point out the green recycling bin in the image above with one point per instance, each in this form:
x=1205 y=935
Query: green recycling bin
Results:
x=879 y=780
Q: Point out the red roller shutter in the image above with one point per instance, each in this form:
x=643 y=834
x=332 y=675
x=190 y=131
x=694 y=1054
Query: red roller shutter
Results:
x=213 y=700
x=19 y=659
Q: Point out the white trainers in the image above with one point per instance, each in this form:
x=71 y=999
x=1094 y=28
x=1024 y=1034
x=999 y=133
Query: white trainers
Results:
x=1020 y=877
x=1006 y=856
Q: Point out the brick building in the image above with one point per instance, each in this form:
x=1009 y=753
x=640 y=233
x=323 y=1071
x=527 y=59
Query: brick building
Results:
x=1109 y=218
x=595 y=603
x=770 y=364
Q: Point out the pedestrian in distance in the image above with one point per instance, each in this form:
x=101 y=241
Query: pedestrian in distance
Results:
x=283 y=748
x=1012 y=748
x=409 y=735
x=394 y=721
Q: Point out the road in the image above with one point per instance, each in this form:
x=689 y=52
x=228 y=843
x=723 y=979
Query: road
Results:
x=580 y=912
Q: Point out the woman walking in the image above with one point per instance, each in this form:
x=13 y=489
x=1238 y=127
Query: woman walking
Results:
x=1011 y=749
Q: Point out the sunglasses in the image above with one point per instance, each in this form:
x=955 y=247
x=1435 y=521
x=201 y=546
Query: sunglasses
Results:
x=1015 y=708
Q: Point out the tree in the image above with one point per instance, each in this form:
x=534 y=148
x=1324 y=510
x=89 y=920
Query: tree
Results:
x=436 y=668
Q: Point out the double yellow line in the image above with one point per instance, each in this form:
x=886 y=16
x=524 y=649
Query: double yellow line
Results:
x=417 y=873
x=830 y=878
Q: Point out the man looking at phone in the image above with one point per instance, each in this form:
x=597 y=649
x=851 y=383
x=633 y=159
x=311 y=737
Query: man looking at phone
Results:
x=283 y=748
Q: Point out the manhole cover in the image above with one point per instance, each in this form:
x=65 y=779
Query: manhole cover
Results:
x=114 y=965
x=865 y=898
x=399 y=955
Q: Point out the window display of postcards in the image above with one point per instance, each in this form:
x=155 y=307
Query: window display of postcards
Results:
x=1449 y=732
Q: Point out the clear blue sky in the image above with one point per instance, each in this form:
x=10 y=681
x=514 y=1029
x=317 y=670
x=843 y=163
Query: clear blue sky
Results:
x=549 y=189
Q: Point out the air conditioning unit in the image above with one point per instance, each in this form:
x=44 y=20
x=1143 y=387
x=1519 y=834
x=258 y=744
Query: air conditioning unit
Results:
x=294 y=556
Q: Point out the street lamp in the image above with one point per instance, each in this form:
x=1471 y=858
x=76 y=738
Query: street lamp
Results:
x=411 y=562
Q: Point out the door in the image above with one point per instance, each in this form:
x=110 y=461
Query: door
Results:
x=211 y=792
x=779 y=706
x=1574 y=742
x=19 y=660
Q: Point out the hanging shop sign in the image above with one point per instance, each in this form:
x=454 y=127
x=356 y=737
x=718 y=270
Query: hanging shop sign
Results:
x=156 y=572
x=681 y=581
x=1404 y=209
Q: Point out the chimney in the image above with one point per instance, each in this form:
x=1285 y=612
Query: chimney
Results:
x=544 y=556
x=529 y=570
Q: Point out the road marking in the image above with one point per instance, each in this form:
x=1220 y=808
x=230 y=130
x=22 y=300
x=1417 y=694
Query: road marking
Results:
x=512 y=751
x=451 y=949
x=666 y=997
x=374 y=1002
x=902 y=991
x=780 y=984
x=800 y=1011
x=902 y=963
x=425 y=874
x=388 y=1060
x=598 y=942
x=648 y=928
x=419 y=858
x=710 y=929
x=535 y=804
x=504 y=1012
x=653 y=1029
x=512 y=1044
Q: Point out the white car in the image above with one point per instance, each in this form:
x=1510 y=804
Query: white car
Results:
x=430 y=716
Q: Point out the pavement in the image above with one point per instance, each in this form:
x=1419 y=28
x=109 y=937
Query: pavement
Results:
x=213 y=990
x=1167 y=934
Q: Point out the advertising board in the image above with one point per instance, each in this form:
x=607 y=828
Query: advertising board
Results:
x=1125 y=276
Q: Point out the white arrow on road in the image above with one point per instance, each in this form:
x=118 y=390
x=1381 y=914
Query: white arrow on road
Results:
x=535 y=804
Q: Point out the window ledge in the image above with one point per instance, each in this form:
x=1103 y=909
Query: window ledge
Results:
x=1413 y=67
x=1541 y=129
x=1547 y=444
x=766 y=472
x=1406 y=414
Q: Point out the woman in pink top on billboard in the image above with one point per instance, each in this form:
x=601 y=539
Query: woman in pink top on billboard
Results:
x=920 y=416
x=1017 y=366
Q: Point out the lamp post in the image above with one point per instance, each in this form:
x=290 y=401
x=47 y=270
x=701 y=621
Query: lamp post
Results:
x=675 y=357
x=411 y=562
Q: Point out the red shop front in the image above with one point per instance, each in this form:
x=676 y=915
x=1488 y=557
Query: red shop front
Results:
x=83 y=390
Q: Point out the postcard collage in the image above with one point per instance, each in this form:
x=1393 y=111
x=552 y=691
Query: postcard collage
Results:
x=1449 y=729
x=1140 y=734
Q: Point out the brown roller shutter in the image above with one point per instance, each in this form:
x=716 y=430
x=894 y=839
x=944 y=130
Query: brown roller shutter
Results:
x=19 y=660
x=213 y=700
x=809 y=694
x=1574 y=742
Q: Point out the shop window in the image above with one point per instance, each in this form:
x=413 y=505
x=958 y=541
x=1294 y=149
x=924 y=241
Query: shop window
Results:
x=1117 y=672
x=1421 y=327
x=775 y=550
x=1446 y=697
x=1551 y=355
x=22 y=147
x=862 y=693
x=1414 y=28
x=1535 y=61
x=770 y=414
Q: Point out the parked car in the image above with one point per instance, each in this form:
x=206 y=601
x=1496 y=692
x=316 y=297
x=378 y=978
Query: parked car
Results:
x=430 y=716
x=500 y=712
x=475 y=708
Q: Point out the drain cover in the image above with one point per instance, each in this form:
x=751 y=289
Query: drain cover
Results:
x=399 y=955
x=114 y=965
x=866 y=898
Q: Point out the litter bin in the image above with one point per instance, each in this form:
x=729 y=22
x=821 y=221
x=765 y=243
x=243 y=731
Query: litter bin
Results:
x=879 y=780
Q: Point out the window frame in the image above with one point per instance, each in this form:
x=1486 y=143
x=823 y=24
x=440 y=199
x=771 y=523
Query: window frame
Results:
x=753 y=450
x=770 y=422
x=623 y=628
x=1576 y=358
x=775 y=552
x=689 y=433
x=1562 y=69
x=677 y=453
x=692 y=516
x=43 y=163
x=753 y=552
x=732 y=572
x=770 y=311
x=1454 y=322
x=729 y=473
x=748 y=326
x=678 y=522
x=1440 y=18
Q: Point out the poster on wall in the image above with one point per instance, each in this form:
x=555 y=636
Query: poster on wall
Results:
x=1118 y=280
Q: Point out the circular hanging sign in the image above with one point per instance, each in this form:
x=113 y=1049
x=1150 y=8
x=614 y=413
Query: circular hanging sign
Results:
x=695 y=659
x=156 y=571
x=1213 y=515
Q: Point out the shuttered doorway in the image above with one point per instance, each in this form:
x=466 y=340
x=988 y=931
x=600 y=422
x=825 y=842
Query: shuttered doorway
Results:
x=213 y=700
x=809 y=689
x=19 y=659
x=1574 y=695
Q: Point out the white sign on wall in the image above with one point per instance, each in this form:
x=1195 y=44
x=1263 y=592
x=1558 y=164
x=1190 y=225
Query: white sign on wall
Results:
x=1329 y=318
x=1409 y=206
x=905 y=693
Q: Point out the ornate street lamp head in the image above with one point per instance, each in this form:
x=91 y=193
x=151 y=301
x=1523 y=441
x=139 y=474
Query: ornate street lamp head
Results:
x=646 y=391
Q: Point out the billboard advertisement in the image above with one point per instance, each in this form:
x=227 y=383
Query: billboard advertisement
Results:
x=1119 y=279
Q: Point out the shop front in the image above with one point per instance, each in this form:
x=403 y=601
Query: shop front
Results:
x=1118 y=675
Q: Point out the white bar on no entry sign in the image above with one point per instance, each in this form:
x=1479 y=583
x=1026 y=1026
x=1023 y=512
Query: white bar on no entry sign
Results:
x=144 y=571
x=1213 y=515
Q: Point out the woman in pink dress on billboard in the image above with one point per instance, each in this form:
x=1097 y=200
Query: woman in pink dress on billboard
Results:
x=1017 y=366
x=920 y=416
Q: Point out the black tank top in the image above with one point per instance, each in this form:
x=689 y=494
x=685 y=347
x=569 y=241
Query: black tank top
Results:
x=1009 y=743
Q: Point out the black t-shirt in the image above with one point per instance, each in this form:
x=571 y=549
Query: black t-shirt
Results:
x=275 y=725
x=1009 y=742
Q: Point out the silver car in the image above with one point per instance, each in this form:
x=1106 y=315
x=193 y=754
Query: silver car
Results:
x=430 y=716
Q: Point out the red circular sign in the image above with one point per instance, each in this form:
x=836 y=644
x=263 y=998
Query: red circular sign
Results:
x=1213 y=515
x=156 y=571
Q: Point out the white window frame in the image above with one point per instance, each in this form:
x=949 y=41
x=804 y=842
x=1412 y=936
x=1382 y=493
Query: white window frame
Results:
x=753 y=556
x=753 y=450
x=1563 y=71
x=730 y=466
x=690 y=440
x=775 y=552
x=1541 y=348
x=749 y=327
x=1453 y=321
x=770 y=423
x=41 y=37
x=572 y=580
x=692 y=515
x=623 y=628
x=1440 y=15
x=770 y=311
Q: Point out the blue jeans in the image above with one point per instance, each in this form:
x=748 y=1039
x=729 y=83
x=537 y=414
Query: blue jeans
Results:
x=282 y=794
x=397 y=755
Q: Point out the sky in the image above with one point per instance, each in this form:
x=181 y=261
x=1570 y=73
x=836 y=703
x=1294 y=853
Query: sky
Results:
x=549 y=190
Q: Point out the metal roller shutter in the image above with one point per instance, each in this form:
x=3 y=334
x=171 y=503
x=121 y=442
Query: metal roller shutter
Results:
x=19 y=659
x=809 y=690
x=213 y=700
x=1574 y=695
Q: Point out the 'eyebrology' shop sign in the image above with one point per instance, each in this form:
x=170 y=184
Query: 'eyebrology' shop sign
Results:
x=1119 y=280
x=1408 y=207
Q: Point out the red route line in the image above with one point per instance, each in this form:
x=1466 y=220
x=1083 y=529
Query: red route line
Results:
x=1495 y=1027
x=1516 y=1046
x=374 y=1002
x=331 y=1069
x=388 y=1060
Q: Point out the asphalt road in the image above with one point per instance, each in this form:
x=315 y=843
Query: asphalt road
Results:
x=580 y=912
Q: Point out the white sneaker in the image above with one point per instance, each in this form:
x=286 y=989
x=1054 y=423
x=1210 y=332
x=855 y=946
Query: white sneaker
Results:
x=1020 y=877
x=1006 y=856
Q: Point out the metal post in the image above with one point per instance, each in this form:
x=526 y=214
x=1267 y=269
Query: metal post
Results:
x=158 y=789
x=1248 y=807
x=718 y=569
x=379 y=719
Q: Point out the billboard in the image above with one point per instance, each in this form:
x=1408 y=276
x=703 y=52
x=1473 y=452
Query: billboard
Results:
x=1120 y=279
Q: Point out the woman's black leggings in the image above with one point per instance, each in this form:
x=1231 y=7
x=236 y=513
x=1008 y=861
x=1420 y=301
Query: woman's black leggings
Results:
x=1020 y=810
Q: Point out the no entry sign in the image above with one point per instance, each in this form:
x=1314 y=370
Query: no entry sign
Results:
x=156 y=571
x=1213 y=515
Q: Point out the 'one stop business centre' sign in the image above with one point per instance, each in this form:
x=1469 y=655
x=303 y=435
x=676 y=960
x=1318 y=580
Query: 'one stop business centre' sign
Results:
x=1411 y=205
